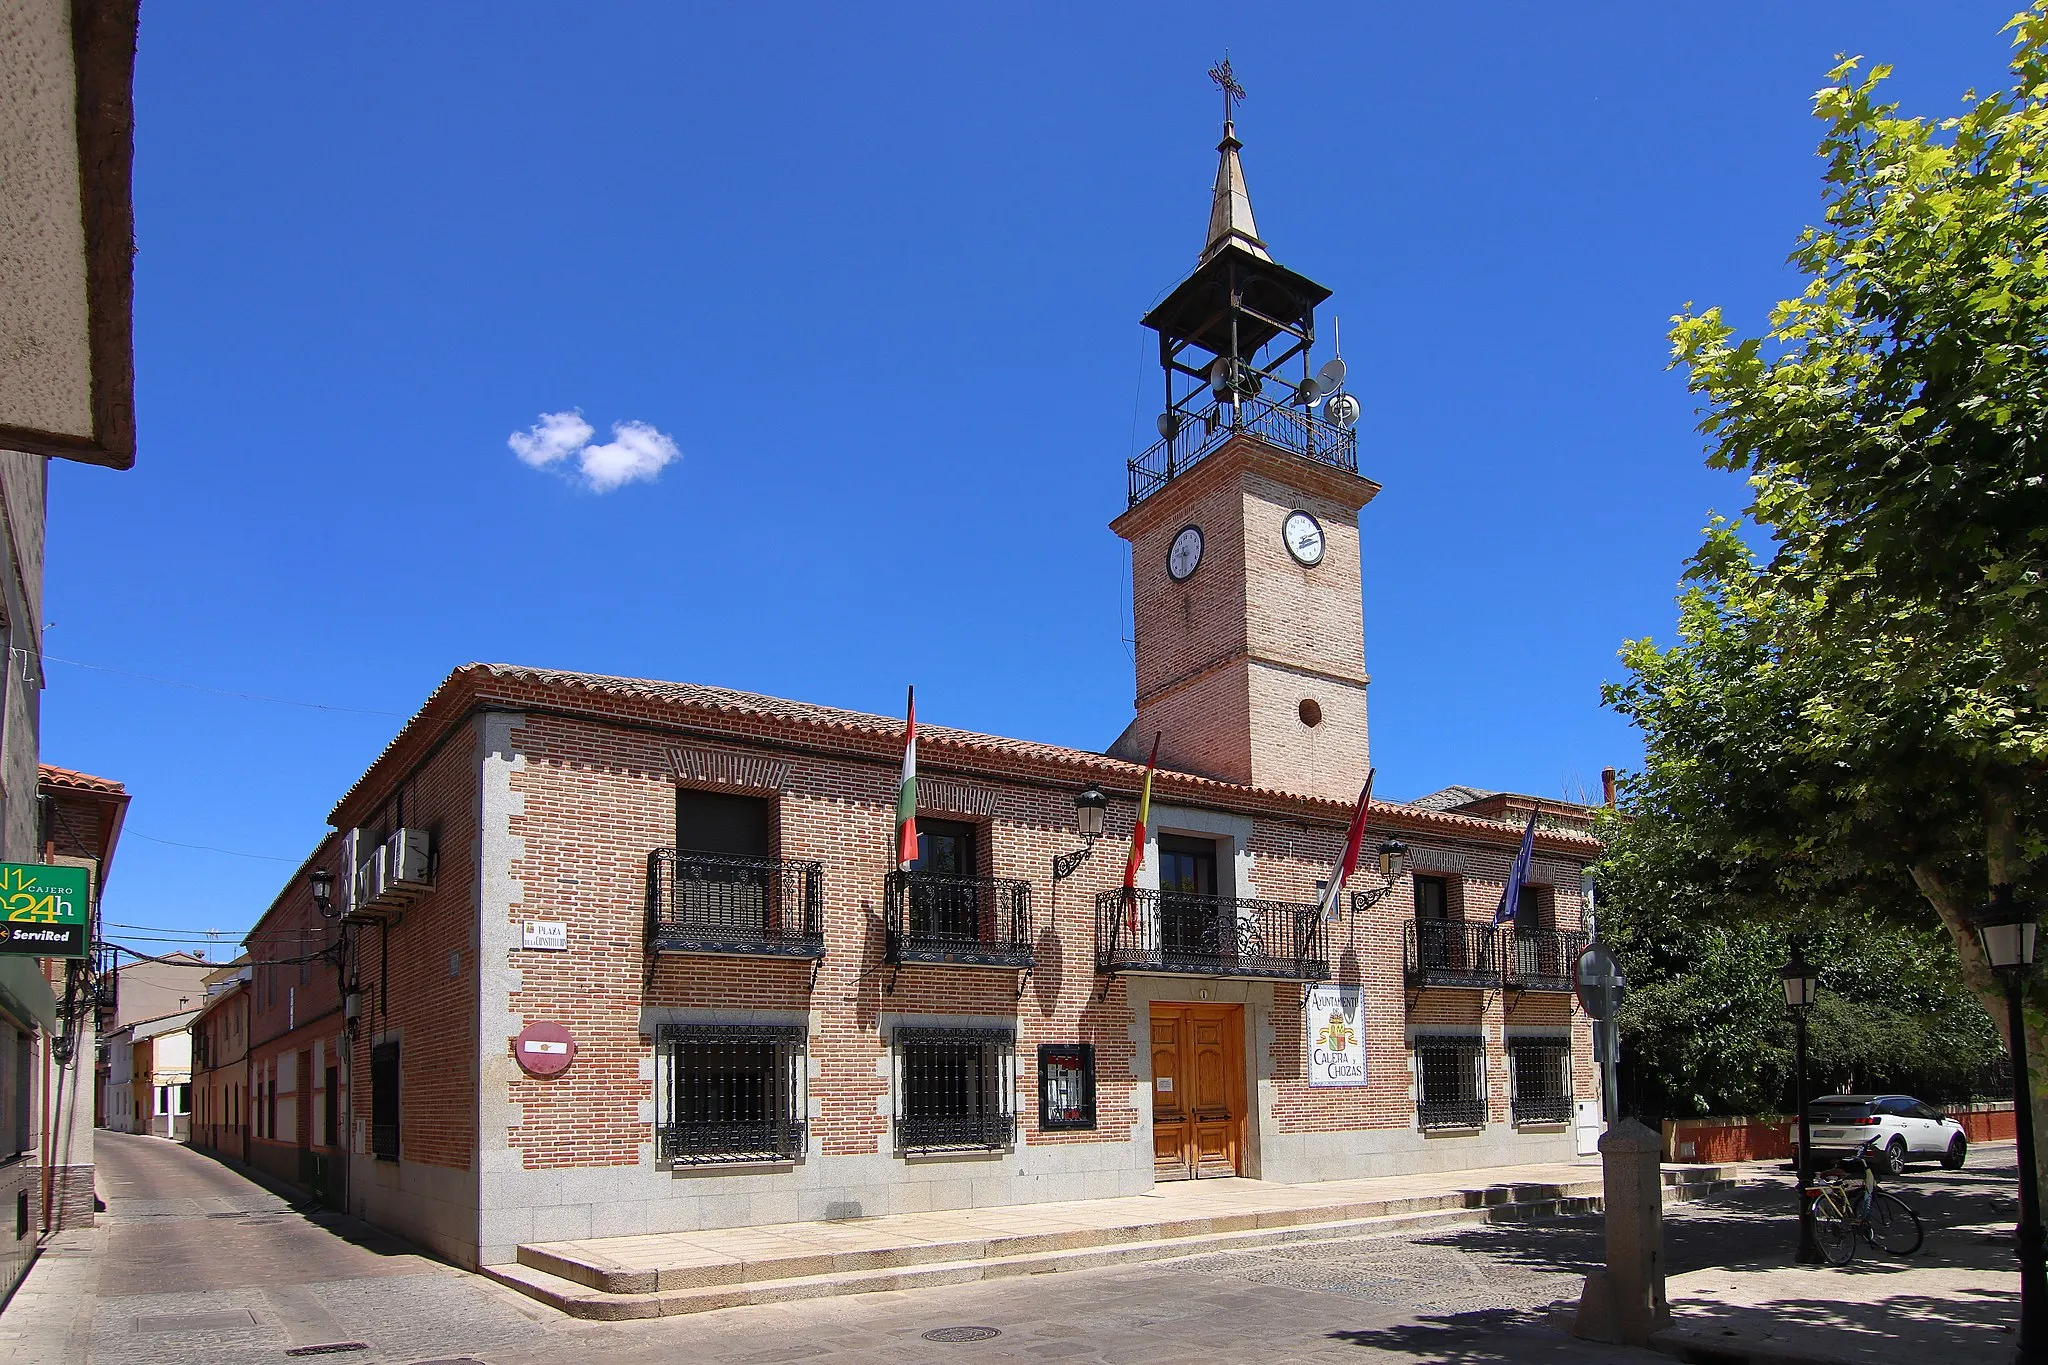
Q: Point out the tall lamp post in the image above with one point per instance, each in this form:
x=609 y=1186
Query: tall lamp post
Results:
x=1801 y=985
x=2006 y=927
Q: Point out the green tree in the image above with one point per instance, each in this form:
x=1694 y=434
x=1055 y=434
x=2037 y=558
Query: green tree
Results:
x=1853 y=723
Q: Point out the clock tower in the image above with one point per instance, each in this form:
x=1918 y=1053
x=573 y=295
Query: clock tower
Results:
x=1243 y=524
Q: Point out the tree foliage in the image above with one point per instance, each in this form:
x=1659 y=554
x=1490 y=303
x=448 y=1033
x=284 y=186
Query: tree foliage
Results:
x=1850 y=727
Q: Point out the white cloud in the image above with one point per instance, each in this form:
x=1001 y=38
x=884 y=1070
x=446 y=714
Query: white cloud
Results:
x=636 y=451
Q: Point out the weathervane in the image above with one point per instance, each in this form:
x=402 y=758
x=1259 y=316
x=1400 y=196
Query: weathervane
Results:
x=1226 y=80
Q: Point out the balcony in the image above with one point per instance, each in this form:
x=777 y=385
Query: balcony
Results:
x=748 y=907
x=1285 y=428
x=1544 y=959
x=1153 y=931
x=957 y=921
x=1452 y=952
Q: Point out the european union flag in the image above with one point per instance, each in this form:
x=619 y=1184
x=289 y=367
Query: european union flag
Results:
x=1511 y=894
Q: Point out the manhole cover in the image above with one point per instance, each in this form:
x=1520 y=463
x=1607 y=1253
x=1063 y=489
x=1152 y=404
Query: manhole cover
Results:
x=962 y=1333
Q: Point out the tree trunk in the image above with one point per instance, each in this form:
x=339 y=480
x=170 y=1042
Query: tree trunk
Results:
x=1954 y=910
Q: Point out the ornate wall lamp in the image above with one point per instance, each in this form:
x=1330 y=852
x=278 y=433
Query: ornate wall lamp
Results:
x=1089 y=805
x=1392 y=862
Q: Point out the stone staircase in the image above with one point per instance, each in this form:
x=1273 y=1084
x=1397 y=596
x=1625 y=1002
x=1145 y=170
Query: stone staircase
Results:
x=613 y=1279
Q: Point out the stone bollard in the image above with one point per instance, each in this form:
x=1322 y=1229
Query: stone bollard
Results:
x=1625 y=1302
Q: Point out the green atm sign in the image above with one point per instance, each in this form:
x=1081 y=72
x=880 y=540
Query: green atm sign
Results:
x=44 y=910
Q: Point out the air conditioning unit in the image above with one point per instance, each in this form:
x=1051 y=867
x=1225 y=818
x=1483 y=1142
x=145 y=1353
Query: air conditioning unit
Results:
x=408 y=861
x=372 y=877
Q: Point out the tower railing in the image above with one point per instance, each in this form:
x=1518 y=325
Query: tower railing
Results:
x=1202 y=434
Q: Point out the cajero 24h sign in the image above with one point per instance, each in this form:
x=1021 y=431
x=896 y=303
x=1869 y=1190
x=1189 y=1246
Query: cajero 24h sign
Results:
x=43 y=910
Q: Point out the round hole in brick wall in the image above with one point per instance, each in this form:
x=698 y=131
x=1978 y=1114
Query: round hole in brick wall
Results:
x=1311 y=713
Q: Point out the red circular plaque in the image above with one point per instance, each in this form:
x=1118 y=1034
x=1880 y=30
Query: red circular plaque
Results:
x=544 y=1049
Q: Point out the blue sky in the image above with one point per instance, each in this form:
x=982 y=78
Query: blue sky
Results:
x=876 y=273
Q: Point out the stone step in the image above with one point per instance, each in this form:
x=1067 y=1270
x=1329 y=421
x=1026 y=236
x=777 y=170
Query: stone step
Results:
x=698 y=1289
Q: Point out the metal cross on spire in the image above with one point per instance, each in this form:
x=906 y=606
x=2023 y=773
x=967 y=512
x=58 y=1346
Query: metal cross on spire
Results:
x=1226 y=80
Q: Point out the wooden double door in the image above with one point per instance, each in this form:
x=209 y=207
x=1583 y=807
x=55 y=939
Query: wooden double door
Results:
x=1198 y=1090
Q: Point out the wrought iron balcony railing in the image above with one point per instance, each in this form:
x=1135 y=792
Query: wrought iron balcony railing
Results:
x=1452 y=952
x=1544 y=959
x=1458 y=1113
x=715 y=903
x=1160 y=931
x=960 y=921
x=1288 y=428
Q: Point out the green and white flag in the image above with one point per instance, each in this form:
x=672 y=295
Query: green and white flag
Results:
x=906 y=796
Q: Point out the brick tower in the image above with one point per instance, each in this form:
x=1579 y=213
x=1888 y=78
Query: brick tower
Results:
x=1243 y=524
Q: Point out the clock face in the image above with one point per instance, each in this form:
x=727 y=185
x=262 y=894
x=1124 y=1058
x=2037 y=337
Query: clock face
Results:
x=1304 y=537
x=1185 y=554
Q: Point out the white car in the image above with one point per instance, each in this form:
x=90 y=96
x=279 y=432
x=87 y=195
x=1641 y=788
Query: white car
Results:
x=1905 y=1129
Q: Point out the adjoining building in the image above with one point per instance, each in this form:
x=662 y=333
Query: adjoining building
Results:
x=625 y=956
x=220 y=1063
x=149 y=1077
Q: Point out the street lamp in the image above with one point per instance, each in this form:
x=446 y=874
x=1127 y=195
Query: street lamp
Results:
x=1089 y=804
x=1801 y=986
x=323 y=891
x=2006 y=929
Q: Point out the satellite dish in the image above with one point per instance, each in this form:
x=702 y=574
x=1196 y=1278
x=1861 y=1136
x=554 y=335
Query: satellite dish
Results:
x=1343 y=410
x=1169 y=425
x=1232 y=380
x=1308 y=393
x=1330 y=378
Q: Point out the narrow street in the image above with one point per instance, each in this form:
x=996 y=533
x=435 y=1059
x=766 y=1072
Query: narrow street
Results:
x=201 y=1265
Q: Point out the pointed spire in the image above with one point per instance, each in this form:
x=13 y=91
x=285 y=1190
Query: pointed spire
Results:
x=1230 y=211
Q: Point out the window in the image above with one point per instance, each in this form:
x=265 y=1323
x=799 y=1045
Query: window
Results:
x=1450 y=1081
x=184 y=1098
x=1533 y=909
x=712 y=822
x=1540 y=1079
x=721 y=843
x=270 y=1109
x=1432 y=898
x=949 y=908
x=955 y=1088
x=1188 y=919
x=731 y=1092
x=384 y=1099
x=1066 y=1087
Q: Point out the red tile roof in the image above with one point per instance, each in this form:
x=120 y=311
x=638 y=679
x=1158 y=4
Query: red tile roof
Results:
x=52 y=776
x=739 y=715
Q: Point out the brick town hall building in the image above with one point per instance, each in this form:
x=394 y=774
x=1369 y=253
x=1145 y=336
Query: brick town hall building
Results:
x=590 y=956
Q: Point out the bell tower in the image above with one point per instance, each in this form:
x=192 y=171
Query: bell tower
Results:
x=1243 y=524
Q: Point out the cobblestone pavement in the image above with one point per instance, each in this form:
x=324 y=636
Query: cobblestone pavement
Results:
x=200 y=1265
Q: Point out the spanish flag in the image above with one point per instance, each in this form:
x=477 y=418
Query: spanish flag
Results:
x=906 y=795
x=1354 y=844
x=1138 y=838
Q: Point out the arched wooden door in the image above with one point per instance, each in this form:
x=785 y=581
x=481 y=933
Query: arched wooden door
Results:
x=1198 y=1090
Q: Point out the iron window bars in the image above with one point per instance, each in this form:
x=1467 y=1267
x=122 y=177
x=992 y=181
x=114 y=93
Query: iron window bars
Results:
x=955 y=1089
x=1540 y=1079
x=1452 y=952
x=1450 y=1081
x=965 y=921
x=1066 y=1087
x=1170 y=931
x=1544 y=959
x=384 y=1095
x=730 y=1092
x=719 y=903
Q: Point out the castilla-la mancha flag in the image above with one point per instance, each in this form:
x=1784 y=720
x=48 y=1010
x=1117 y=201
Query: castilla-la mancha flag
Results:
x=1138 y=839
x=906 y=795
x=1354 y=844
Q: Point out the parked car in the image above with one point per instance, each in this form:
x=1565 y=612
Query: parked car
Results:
x=1905 y=1128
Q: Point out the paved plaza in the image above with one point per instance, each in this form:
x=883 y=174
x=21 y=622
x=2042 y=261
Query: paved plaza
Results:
x=194 y=1263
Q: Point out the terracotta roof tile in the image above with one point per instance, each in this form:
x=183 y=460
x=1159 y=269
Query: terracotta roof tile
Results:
x=856 y=732
x=53 y=776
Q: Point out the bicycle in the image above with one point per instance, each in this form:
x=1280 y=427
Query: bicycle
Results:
x=1843 y=1213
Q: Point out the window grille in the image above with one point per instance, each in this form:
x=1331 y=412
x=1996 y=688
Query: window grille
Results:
x=731 y=1092
x=1066 y=1087
x=383 y=1102
x=1540 y=1074
x=1450 y=1079
x=955 y=1088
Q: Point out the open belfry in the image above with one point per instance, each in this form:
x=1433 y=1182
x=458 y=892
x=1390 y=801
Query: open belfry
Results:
x=627 y=958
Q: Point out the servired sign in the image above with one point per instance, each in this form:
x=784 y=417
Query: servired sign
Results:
x=44 y=911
